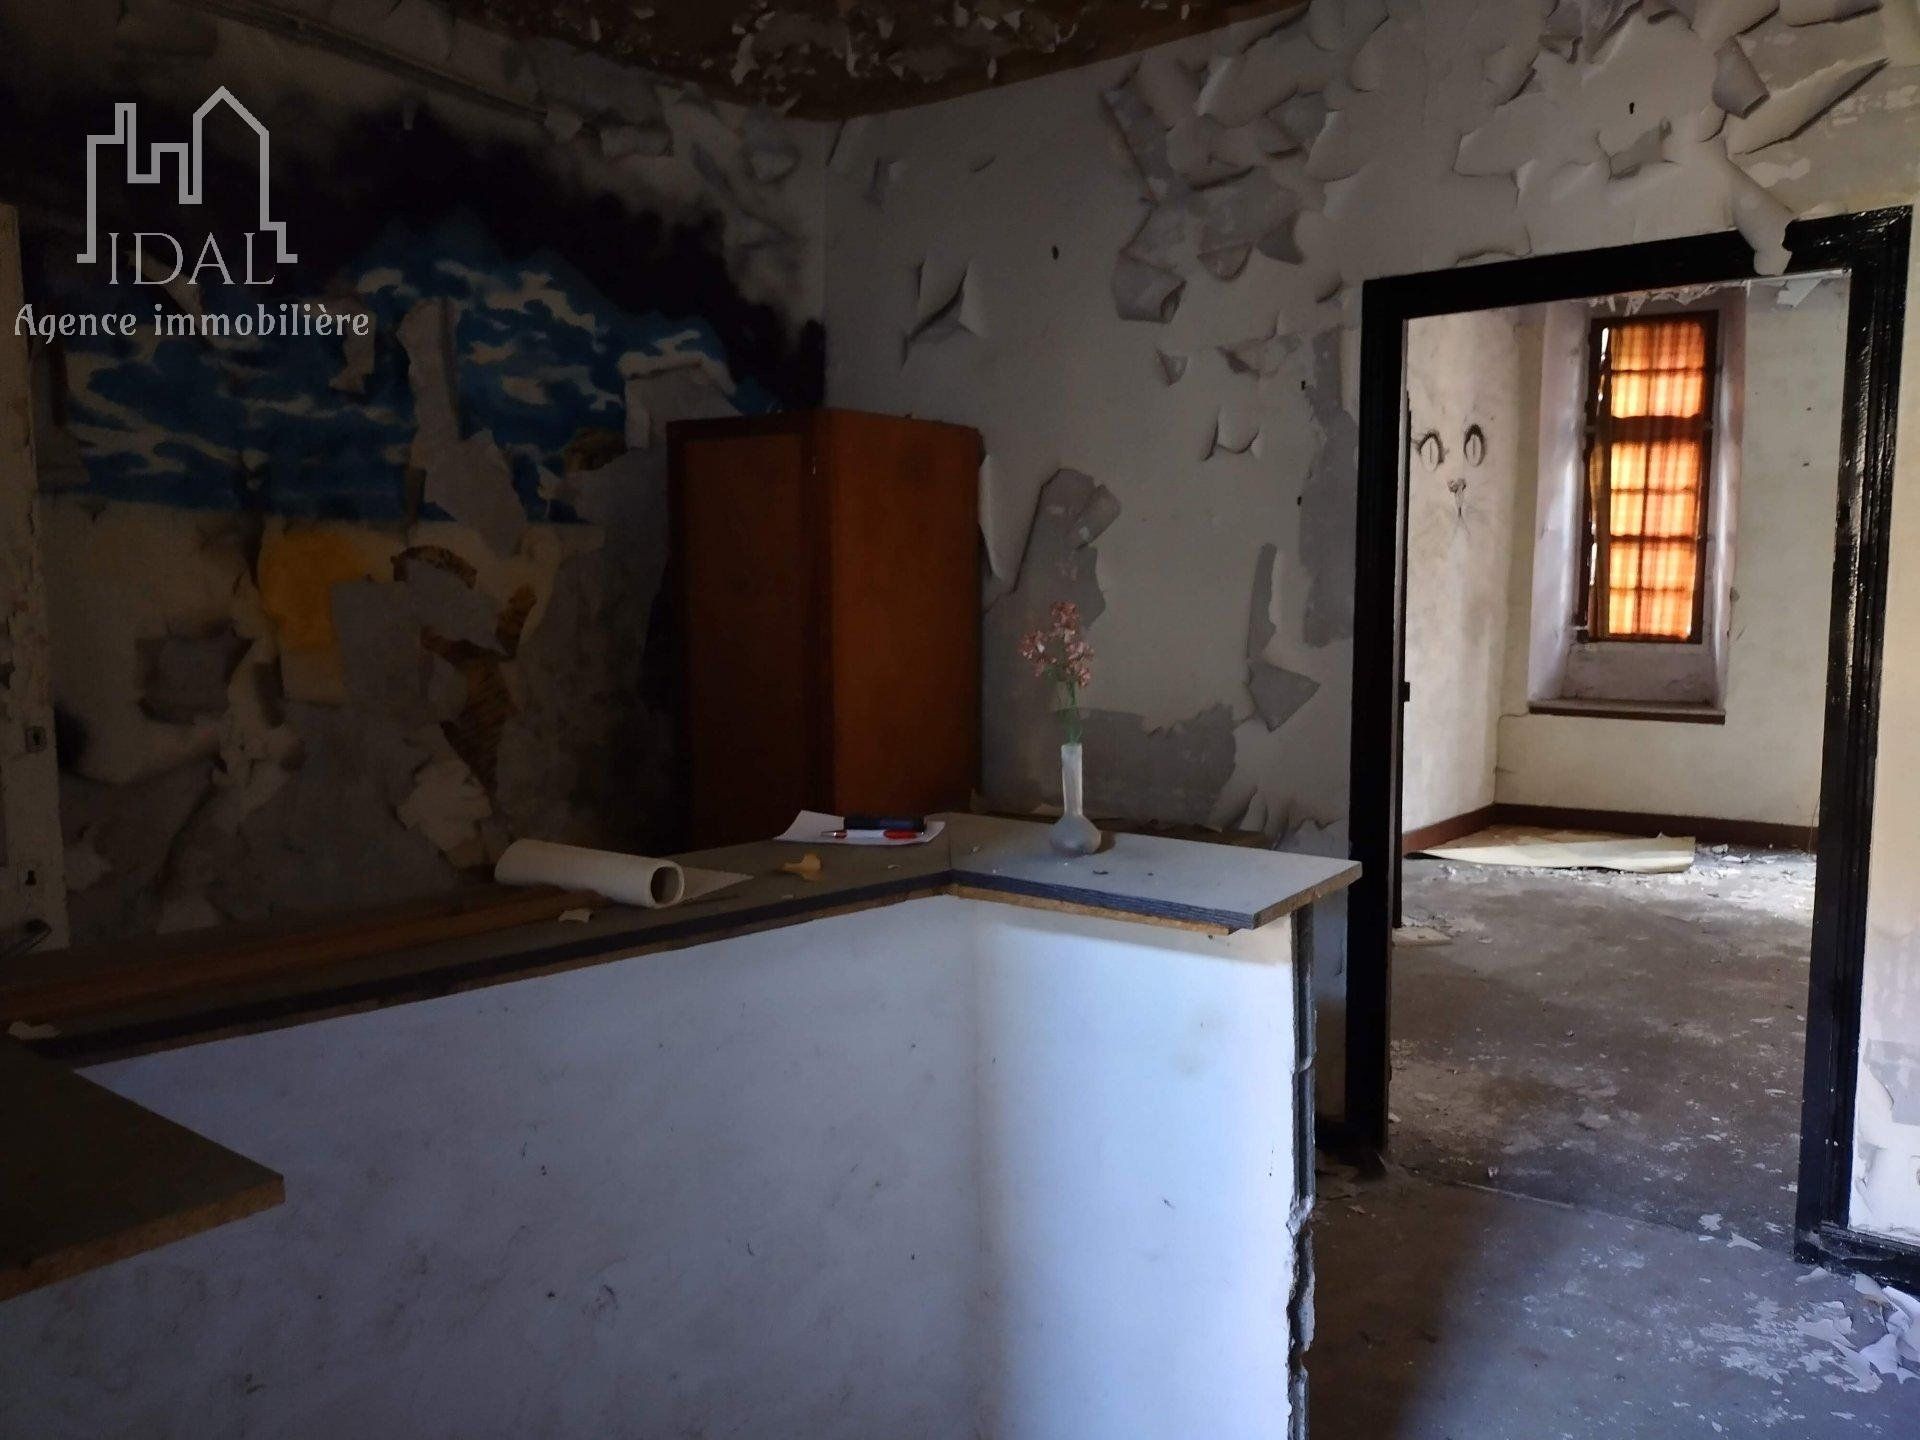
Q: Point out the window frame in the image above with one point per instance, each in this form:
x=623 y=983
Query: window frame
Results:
x=1590 y=558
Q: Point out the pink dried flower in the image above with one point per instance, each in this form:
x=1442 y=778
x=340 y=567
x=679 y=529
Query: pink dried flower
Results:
x=1033 y=648
x=1062 y=655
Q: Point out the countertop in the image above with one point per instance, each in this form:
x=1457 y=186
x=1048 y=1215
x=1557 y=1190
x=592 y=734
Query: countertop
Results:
x=124 y=1001
x=95 y=1178
x=88 y=1178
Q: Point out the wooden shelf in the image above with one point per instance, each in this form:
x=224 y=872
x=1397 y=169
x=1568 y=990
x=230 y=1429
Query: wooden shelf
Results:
x=88 y=1178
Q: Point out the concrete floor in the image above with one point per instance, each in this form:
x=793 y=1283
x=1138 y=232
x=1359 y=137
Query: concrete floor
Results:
x=1583 y=1229
x=1627 y=1043
x=1448 y=1313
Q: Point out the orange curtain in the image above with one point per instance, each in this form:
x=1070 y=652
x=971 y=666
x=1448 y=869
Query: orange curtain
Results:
x=1647 y=476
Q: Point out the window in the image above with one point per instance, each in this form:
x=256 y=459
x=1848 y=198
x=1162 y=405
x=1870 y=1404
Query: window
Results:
x=1649 y=441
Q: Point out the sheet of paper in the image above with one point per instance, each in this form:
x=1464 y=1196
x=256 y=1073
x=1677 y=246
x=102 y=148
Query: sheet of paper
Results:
x=1535 y=847
x=702 y=883
x=811 y=827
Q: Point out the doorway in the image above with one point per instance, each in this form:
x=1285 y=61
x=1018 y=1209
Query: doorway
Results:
x=1869 y=251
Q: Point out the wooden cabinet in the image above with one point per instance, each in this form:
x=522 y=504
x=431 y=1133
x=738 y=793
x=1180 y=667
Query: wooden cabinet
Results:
x=827 y=581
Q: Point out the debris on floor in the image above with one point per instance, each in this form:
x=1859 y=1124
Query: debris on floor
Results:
x=1421 y=935
x=1848 y=1355
x=1535 y=847
x=1334 y=1180
x=1897 y=1352
x=1453 y=1312
x=807 y=867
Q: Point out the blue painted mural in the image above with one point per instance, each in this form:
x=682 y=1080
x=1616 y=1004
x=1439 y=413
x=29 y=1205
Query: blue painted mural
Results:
x=259 y=423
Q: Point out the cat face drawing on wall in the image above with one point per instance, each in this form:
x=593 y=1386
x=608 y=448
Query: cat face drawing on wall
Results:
x=1431 y=451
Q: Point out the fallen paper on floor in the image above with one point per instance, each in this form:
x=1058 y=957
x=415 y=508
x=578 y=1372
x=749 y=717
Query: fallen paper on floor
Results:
x=1537 y=848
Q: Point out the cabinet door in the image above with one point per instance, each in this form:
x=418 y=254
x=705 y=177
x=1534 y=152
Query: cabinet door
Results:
x=905 y=611
x=750 y=632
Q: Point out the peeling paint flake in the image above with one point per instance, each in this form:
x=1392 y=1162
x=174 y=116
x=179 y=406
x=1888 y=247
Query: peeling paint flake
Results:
x=472 y=482
x=185 y=677
x=1896 y=1065
x=1737 y=86
x=387 y=670
x=1142 y=291
x=1278 y=693
x=1788 y=112
x=1821 y=12
x=426 y=334
x=945 y=308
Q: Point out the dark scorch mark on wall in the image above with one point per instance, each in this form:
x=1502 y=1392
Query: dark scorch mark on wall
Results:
x=377 y=173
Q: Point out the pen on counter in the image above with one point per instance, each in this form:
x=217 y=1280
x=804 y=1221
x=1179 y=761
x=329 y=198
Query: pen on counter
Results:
x=878 y=827
x=863 y=821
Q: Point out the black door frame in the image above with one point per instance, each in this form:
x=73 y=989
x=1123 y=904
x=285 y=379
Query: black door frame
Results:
x=1871 y=249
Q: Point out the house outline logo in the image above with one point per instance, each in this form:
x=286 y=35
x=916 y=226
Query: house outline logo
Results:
x=187 y=159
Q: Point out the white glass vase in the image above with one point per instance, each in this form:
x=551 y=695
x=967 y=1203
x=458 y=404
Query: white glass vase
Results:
x=1073 y=833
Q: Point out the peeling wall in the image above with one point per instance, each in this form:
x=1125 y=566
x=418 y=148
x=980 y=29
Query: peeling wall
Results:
x=1164 y=256
x=1138 y=280
x=334 y=619
x=1472 y=394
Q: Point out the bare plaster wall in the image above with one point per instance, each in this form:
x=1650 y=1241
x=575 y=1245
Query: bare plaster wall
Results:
x=1764 y=762
x=1140 y=282
x=1470 y=406
x=334 y=620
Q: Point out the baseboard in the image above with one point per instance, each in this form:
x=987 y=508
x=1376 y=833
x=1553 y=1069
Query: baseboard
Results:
x=1761 y=834
x=1891 y=1262
x=1441 y=831
x=1668 y=712
x=1765 y=834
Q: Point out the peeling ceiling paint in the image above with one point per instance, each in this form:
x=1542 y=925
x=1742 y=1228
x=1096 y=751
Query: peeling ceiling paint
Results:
x=835 y=58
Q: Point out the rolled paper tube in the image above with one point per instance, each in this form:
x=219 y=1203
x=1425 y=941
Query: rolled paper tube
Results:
x=629 y=879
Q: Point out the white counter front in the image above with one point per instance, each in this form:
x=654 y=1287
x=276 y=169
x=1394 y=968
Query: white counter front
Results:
x=943 y=1168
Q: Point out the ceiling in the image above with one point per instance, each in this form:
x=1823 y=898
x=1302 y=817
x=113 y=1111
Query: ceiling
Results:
x=834 y=58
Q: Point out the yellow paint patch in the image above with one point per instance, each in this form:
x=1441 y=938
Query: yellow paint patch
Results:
x=298 y=570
